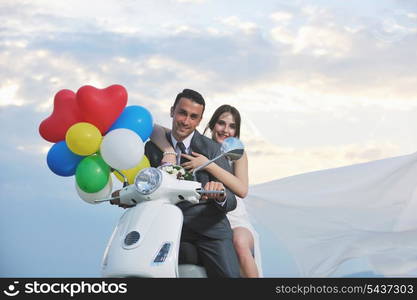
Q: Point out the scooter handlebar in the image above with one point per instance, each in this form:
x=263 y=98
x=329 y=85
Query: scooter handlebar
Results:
x=106 y=199
x=199 y=191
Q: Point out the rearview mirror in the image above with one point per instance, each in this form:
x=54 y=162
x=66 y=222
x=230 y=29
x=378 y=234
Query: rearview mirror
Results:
x=232 y=148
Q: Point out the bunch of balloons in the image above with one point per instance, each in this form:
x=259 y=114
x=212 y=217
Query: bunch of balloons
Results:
x=95 y=133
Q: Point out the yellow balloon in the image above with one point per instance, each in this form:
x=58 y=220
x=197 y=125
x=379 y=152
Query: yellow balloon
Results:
x=83 y=138
x=131 y=173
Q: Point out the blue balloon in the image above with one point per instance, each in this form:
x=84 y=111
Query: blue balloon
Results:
x=136 y=118
x=61 y=160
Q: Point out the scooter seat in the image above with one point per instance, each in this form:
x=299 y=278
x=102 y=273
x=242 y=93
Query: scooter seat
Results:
x=188 y=254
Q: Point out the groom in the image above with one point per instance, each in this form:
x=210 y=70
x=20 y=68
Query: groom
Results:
x=205 y=224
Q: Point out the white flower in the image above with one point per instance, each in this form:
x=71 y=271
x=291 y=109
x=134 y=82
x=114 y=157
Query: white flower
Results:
x=177 y=171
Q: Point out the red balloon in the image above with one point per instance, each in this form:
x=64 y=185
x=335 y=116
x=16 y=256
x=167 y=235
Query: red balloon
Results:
x=102 y=107
x=65 y=114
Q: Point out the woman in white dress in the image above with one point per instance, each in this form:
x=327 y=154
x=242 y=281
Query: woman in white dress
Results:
x=225 y=123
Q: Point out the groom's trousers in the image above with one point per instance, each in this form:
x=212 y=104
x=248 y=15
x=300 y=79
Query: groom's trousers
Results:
x=218 y=255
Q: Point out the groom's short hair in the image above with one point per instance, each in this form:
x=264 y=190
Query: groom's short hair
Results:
x=192 y=95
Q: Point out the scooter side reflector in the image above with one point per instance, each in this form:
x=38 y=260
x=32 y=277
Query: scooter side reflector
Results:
x=163 y=253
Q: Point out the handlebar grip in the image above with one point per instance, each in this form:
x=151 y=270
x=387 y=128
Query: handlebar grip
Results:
x=202 y=191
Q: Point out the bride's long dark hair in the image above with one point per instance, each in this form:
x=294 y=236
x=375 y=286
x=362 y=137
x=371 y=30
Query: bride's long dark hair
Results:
x=219 y=111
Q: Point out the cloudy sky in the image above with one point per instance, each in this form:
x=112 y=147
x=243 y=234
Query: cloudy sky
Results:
x=320 y=84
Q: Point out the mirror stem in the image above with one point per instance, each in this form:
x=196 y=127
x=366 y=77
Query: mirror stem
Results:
x=206 y=164
x=125 y=181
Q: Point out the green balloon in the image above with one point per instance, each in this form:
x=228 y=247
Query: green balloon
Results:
x=92 y=174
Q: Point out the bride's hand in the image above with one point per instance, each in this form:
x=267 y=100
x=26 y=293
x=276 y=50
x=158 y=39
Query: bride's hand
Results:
x=195 y=160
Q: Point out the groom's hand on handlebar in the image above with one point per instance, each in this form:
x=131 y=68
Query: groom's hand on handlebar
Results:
x=214 y=186
x=117 y=201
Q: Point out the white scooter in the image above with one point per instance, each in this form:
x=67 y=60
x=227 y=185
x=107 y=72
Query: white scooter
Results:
x=146 y=241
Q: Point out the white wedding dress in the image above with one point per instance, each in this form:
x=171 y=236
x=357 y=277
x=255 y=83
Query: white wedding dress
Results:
x=358 y=220
x=239 y=218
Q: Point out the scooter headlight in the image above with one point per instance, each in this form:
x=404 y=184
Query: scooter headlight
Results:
x=148 y=180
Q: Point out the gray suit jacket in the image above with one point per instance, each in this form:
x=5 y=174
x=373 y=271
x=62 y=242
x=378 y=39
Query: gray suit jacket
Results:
x=207 y=217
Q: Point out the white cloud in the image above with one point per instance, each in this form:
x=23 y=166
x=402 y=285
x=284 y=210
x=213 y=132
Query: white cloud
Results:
x=19 y=43
x=268 y=161
x=315 y=11
x=131 y=18
x=322 y=41
x=33 y=74
x=166 y=64
x=246 y=27
x=34 y=149
x=315 y=33
x=281 y=17
x=190 y=1
x=8 y=94
x=181 y=29
x=121 y=59
x=283 y=35
x=303 y=96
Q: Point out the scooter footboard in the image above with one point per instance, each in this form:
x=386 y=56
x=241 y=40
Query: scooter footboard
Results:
x=145 y=242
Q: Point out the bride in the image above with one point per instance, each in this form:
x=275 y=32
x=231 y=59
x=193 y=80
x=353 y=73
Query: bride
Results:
x=225 y=123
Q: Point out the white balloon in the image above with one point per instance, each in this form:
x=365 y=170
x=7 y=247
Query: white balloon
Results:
x=122 y=149
x=101 y=194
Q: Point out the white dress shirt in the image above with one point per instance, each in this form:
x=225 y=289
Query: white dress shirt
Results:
x=186 y=142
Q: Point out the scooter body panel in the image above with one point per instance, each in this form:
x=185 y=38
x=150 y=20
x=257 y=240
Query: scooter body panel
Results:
x=145 y=242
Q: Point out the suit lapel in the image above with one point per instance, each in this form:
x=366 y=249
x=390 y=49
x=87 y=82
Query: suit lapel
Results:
x=168 y=136
x=196 y=144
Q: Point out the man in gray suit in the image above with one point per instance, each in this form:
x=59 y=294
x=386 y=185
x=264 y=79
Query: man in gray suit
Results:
x=205 y=224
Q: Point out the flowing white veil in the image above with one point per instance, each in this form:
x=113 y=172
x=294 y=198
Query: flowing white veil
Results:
x=358 y=220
